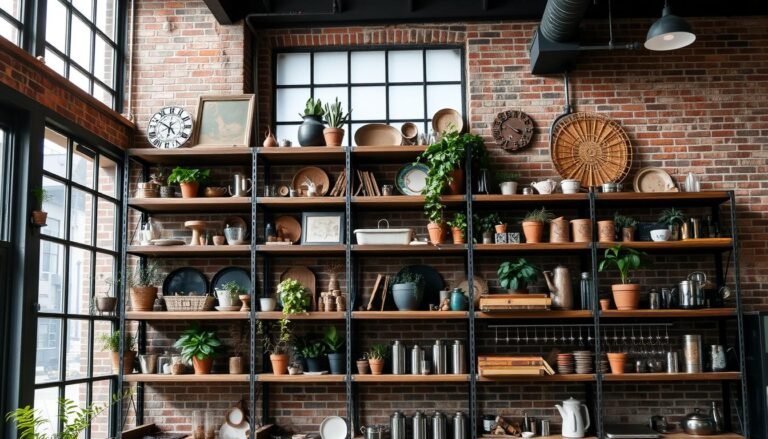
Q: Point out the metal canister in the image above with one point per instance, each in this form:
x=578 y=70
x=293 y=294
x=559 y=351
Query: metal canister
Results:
x=459 y=426
x=397 y=425
x=458 y=358
x=654 y=299
x=545 y=427
x=696 y=226
x=439 y=358
x=419 y=425
x=672 y=362
x=398 y=358
x=585 y=287
x=692 y=353
x=417 y=356
x=439 y=426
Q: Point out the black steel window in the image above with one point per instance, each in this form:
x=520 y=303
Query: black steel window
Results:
x=5 y=171
x=78 y=259
x=390 y=86
x=11 y=26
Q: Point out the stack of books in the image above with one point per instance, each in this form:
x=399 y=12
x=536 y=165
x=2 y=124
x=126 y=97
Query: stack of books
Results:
x=513 y=302
x=505 y=366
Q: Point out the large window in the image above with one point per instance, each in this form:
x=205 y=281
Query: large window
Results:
x=78 y=258
x=81 y=44
x=10 y=20
x=379 y=86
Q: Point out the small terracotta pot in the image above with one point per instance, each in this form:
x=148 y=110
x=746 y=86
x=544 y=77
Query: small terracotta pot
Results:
x=362 y=367
x=436 y=233
x=143 y=298
x=533 y=231
x=626 y=296
x=605 y=304
x=458 y=235
x=189 y=190
x=279 y=364
x=39 y=217
x=202 y=367
x=559 y=230
x=582 y=230
x=628 y=234
x=500 y=228
x=128 y=359
x=235 y=365
x=333 y=136
x=617 y=360
x=377 y=366
x=606 y=231
x=456 y=185
x=219 y=240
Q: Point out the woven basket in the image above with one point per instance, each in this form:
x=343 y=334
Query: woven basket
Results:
x=591 y=148
x=189 y=303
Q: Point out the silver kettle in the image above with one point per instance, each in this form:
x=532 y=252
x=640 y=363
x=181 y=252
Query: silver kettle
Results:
x=242 y=185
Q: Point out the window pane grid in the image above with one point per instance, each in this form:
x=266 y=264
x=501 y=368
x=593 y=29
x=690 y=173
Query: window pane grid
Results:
x=9 y=25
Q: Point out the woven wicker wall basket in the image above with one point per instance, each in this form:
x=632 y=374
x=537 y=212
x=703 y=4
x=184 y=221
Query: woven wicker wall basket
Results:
x=591 y=148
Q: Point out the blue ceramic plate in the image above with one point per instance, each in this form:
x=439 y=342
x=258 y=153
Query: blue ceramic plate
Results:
x=412 y=179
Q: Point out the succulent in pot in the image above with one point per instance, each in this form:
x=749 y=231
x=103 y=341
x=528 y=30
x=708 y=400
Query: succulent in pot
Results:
x=626 y=295
x=142 y=281
x=277 y=344
x=41 y=196
x=199 y=346
x=314 y=354
x=293 y=296
x=311 y=129
x=111 y=342
x=189 y=179
x=458 y=226
x=407 y=290
x=674 y=219
x=336 y=119
x=334 y=341
x=533 y=224
x=507 y=182
x=229 y=294
x=517 y=275
x=625 y=226
x=376 y=356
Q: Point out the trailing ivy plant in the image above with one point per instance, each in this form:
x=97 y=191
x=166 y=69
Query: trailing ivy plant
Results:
x=294 y=296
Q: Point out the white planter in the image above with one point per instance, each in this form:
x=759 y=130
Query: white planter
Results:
x=661 y=234
x=508 y=188
x=383 y=236
x=225 y=299
x=267 y=304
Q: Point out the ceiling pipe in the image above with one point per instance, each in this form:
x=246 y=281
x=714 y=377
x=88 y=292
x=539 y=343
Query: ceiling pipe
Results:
x=560 y=22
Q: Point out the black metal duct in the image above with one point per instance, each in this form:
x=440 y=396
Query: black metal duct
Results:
x=554 y=46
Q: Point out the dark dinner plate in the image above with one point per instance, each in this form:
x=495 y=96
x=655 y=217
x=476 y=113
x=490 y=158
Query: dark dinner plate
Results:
x=187 y=280
x=229 y=274
x=433 y=283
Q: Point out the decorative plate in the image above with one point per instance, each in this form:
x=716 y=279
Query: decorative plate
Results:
x=187 y=280
x=653 y=180
x=167 y=242
x=433 y=283
x=333 y=427
x=288 y=227
x=229 y=274
x=445 y=119
x=412 y=179
x=378 y=134
x=316 y=176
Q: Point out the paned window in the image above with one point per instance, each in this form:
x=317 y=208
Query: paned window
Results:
x=5 y=186
x=11 y=25
x=390 y=86
x=78 y=259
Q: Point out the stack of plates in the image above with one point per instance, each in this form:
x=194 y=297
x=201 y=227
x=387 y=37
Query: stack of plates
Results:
x=603 y=364
x=565 y=363
x=583 y=361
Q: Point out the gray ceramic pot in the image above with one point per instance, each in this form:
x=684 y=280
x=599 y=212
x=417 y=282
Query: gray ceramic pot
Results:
x=311 y=131
x=407 y=296
x=337 y=363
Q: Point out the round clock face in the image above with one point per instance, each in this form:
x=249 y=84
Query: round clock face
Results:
x=512 y=130
x=170 y=127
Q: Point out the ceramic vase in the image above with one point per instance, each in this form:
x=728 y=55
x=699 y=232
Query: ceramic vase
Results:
x=606 y=231
x=533 y=231
x=626 y=296
x=311 y=131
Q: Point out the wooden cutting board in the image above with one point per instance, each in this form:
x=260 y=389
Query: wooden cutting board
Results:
x=306 y=277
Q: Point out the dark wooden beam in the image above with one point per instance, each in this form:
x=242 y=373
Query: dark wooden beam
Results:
x=226 y=11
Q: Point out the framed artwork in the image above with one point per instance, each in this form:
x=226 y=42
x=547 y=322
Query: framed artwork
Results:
x=322 y=228
x=224 y=121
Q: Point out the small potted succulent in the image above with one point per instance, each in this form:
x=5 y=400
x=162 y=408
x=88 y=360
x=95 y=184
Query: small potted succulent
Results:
x=39 y=216
x=200 y=346
x=507 y=182
x=142 y=281
x=314 y=354
x=189 y=179
x=111 y=342
x=407 y=290
x=515 y=276
x=106 y=302
x=533 y=224
x=336 y=119
x=673 y=219
x=278 y=346
x=293 y=296
x=625 y=225
x=334 y=341
x=626 y=295
x=376 y=356
x=458 y=226
x=311 y=129
x=229 y=294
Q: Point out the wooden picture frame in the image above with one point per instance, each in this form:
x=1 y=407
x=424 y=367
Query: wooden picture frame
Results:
x=322 y=228
x=224 y=121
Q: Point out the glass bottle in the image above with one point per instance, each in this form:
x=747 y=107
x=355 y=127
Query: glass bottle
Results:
x=269 y=233
x=483 y=183
x=585 y=286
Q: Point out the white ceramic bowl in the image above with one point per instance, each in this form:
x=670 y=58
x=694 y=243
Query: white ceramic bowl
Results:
x=660 y=234
x=527 y=434
x=570 y=186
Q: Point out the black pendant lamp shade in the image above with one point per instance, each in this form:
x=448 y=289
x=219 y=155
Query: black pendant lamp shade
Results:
x=669 y=32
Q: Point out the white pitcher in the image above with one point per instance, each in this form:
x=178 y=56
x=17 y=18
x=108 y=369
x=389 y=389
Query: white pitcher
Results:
x=545 y=186
x=573 y=422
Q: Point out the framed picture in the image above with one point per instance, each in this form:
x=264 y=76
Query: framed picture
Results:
x=224 y=121
x=322 y=228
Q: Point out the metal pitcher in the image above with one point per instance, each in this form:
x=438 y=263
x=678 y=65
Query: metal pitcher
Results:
x=690 y=294
x=242 y=185
x=560 y=288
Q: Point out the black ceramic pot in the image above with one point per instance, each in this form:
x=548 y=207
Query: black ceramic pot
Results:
x=311 y=131
x=314 y=364
x=337 y=363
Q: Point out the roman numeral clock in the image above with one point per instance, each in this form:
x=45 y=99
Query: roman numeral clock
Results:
x=169 y=128
x=512 y=130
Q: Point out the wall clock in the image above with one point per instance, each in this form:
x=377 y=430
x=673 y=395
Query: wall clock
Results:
x=169 y=128
x=512 y=130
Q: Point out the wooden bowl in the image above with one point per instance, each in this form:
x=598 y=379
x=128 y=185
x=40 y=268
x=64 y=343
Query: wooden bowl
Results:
x=215 y=191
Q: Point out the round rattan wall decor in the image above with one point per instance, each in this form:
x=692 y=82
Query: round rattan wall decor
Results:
x=591 y=148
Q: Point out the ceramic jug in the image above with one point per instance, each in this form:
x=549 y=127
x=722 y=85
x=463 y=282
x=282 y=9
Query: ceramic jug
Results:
x=269 y=139
x=242 y=185
x=574 y=424
x=560 y=288
x=458 y=300
x=545 y=186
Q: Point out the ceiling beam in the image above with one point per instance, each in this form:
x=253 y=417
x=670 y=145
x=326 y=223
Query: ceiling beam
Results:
x=226 y=11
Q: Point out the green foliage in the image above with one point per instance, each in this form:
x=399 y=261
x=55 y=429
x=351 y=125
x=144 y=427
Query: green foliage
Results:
x=517 y=275
x=378 y=351
x=625 y=260
x=111 y=342
x=188 y=175
x=407 y=276
x=539 y=215
x=197 y=342
x=335 y=116
x=147 y=275
x=622 y=221
x=41 y=196
x=459 y=221
x=314 y=349
x=233 y=289
x=672 y=216
x=313 y=107
x=279 y=343
x=294 y=296
x=502 y=176
x=333 y=339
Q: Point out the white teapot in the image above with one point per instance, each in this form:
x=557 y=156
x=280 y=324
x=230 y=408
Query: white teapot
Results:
x=545 y=186
x=573 y=422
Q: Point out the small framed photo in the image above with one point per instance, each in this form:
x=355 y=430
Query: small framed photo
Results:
x=322 y=228
x=224 y=121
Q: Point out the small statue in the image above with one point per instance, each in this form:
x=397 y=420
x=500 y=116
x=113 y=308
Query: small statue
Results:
x=311 y=187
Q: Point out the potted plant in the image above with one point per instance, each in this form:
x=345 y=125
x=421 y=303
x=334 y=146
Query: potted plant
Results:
x=484 y=226
x=142 y=281
x=516 y=276
x=507 y=182
x=200 y=346
x=278 y=346
x=111 y=343
x=626 y=225
x=533 y=224
x=189 y=179
x=239 y=334
x=376 y=356
x=407 y=290
x=336 y=119
x=311 y=130
x=105 y=302
x=458 y=226
x=314 y=353
x=334 y=341
x=626 y=295
x=673 y=219
x=39 y=216
x=229 y=294
x=293 y=297
x=363 y=366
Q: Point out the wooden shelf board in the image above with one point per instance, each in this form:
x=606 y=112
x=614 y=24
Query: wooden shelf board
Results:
x=576 y=377
x=668 y=313
x=394 y=153
x=272 y=378
x=704 y=376
x=534 y=314
x=187 y=378
x=534 y=199
x=277 y=315
x=538 y=247
x=303 y=154
x=299 y=203
x=190 y=251
x=416 y=315
x=291 y=250
x=660 y=199
x=403 y=201
x=712 y=436
x=196 y=205
x=675 y=246
x=187 y=315
x=408 y=378
x=437 y=250
x=194 y=155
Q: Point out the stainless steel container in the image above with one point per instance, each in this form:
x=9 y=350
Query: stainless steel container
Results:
x=690 y=294
x=692 y=353
x=439 y=358
x=585 y=287
x=696 y=226
x=373 y=431
x=417 y=356
x=458 y=358
x=459 y=426
x=672 y=362
x=398 y=358
x=397 y=425
x=545 y=427
x=717 y=358
x=419 y=425
x=148 y=363
x=439 y=426
x=654 y=299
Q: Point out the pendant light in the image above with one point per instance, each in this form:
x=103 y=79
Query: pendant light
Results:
x=669 y=32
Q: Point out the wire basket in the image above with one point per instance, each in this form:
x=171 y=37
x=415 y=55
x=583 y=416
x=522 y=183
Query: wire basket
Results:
x=189 y=303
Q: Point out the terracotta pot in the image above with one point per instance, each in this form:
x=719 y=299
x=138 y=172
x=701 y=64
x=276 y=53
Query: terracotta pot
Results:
x=202 y=367
x=189 y=190
x=606 y=231
x=436 y=233
x=617 y=360
x=626 y=296
x=559 y=230
x=533 y=231
x=628 y=234
x=456 y=183
x=458 y=235
x=333 y=136
x=39 y=217
x=143 y=298
x=500 y=228
x=235 y=365
x=377 y=366
x=582 y=230
x=362 y=367
x=128 y=359
x=219 y=240
x=605 y=304
x=279 y=364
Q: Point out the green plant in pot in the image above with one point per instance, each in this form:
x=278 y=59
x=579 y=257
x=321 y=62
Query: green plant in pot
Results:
x=311 y=129
x=200 y=346
x=41 y=196
x=376 y=356
x=293 y=297
x=111 y=343
x=336 y=119
x=507 y=182
x=625 y=226
x=142 y=281
x=674 y=220
x=105 y=301
x=189 y=179
x=407 y=290
x=277 y=344
x=626 y=295
x=517 y=275
x=533 y=224
x=458 y=226
x=314 y=353
x=334 y=341
x=229 y=294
